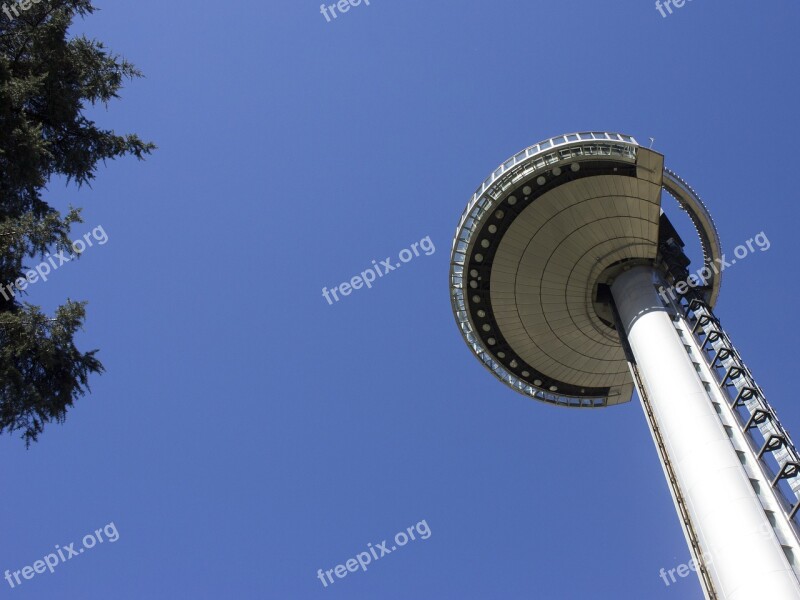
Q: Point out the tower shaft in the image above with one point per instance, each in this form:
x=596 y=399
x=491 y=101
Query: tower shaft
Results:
x=739 y=550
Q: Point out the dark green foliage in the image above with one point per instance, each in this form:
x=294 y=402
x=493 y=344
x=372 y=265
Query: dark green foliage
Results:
x=46 y=81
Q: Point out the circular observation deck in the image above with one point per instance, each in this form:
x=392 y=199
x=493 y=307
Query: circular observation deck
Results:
x=533 y=246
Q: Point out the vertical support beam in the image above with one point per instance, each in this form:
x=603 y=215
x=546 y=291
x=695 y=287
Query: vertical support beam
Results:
x=700 y=560
x=744 y=559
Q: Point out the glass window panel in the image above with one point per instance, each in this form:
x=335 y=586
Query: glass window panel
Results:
x=787 y=550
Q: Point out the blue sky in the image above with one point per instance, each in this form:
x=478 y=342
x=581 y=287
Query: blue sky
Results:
x=247 y=433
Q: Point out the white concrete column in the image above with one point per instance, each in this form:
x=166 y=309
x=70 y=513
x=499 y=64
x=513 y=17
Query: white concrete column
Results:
x=744 y=558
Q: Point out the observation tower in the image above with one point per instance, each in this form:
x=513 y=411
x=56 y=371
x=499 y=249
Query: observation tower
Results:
x=571 y=286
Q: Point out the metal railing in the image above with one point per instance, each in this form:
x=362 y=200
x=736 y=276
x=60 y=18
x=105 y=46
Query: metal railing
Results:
x=541 y=156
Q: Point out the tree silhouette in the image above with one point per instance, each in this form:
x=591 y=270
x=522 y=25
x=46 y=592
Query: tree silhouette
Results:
x=47 y=80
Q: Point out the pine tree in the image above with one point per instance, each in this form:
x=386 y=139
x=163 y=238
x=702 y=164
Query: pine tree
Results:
x=47 y=79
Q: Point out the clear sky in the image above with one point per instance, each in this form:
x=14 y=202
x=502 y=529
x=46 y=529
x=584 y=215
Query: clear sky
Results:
x=247 y=433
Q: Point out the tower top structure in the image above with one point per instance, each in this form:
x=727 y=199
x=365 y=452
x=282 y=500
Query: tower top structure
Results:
x=537 y=248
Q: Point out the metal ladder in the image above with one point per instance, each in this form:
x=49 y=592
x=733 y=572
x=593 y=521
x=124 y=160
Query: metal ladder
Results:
x=774 y=449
